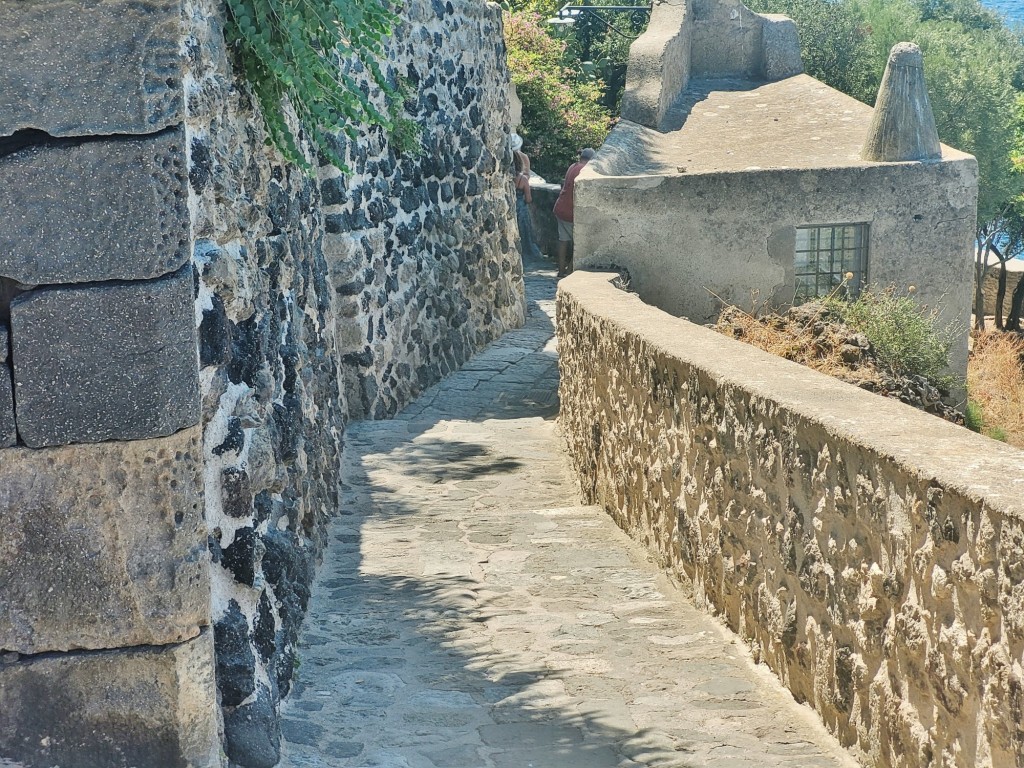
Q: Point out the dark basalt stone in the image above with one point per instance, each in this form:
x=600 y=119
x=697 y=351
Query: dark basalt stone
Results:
x=264 y=633
x=201 y=165
x=333 y=191
x=412 y=198
x=214 y=335
x=242 y=557
x=8 y=431
x=252 y=732
x=112 y=361
x=236 y=664
x=234 y=441
x=122 y=77
x=121 y=212
x=236 y=493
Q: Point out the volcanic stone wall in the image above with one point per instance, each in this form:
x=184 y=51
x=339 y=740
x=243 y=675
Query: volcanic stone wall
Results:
x=106 y=650
x=872 y=555
x=186 y=325
x=329 y=298
x=423 y=257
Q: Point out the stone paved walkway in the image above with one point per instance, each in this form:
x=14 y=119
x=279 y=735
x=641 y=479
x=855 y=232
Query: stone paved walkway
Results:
x=470 y=613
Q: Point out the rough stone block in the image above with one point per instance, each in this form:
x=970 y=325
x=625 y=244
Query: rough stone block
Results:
x=781 y=47
x=8 y=431
x=76 y=69
x=106 y=362
x=82 y=211
x=144 y=708
x=104 y=545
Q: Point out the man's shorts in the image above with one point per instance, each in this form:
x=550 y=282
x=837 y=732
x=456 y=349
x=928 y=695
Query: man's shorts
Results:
x=564 y=230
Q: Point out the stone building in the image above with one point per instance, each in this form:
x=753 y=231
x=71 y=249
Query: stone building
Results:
x=734 y=177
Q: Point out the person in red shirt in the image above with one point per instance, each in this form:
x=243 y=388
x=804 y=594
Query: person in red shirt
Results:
x=563 y=211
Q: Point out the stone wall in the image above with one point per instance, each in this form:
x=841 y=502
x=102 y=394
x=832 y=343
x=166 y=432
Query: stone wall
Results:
x=871 y=555
x=186 y=324
x=424 y=262
x=330 y=298
x=105 y=642
x=272 y=412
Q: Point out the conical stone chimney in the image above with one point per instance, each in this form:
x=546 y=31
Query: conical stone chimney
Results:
x=903 y=127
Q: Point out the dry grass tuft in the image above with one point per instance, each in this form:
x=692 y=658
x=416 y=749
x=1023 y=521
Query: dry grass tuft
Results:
x=815 y=335
x=813 y=338
x=995 y=379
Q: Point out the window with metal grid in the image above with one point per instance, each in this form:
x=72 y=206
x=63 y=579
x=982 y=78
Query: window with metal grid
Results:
x=825 y=255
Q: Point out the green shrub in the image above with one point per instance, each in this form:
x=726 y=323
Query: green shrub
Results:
x=996 y=433
x=906 y=336
x=561 y=115
x=974 y=417
x=291 y=53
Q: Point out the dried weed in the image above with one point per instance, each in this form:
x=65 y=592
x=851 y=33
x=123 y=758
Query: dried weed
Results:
x=995 y=380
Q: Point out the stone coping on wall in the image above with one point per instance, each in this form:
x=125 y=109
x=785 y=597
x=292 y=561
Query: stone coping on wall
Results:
x=871 y=554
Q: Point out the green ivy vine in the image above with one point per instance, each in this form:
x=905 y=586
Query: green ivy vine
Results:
x=291 y=52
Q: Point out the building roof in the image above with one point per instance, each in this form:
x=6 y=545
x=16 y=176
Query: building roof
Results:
x=739 y=125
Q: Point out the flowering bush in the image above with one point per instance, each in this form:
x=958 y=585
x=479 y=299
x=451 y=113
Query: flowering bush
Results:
x=561 y=115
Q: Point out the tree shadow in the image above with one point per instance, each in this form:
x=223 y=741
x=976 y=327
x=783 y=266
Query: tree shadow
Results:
x=463 y=633
x=405 y=678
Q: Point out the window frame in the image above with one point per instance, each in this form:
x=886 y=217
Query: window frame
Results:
x=839 y=252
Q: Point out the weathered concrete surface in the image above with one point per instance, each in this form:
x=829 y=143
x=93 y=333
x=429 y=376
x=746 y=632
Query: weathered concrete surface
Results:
x=872 y=555
x=780 y=45
x=903 y=126
x=728 y=40
x=471 y=613
x=79 y=69
x=700 y=40
x=659 y=65
x=111 y=361
x=710 y=210
x=103 y=209
x=103 y=546
x=138 y=708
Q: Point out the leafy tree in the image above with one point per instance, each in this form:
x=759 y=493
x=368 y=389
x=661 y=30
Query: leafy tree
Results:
x=970 y=82
x=561 y=114
x=968 y=13
x=835 y=43
x=596 y=44
x=970 y=75
x=543 y=8
x=888 y=22
x=607 y=55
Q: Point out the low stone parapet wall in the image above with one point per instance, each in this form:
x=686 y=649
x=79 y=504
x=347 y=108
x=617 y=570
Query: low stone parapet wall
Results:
x=869 y=553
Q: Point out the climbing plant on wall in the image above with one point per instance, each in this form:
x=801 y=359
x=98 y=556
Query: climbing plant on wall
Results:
x=305 y=53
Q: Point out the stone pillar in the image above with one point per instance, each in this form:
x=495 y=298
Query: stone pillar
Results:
x=903 y=126
x=106 y=656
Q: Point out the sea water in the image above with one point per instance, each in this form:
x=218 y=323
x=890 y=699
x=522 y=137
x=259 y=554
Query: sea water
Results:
x=1013 y=10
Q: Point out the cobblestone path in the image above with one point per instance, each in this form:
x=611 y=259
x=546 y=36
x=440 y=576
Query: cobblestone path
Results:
x=470 y=613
